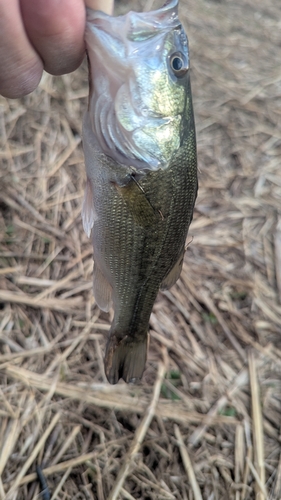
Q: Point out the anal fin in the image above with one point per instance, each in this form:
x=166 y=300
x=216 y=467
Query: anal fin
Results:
x=88 y=210
x=102 y=290
x=174 y=273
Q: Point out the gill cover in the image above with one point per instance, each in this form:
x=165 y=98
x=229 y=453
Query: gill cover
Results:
x=139 y=72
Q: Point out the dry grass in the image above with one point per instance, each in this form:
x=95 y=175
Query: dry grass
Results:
x=205 y=422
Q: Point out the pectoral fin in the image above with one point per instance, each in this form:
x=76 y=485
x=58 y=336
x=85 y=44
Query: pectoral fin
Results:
x=88 y=209
x=139 y=205
x=174 y=274
x=102 y=290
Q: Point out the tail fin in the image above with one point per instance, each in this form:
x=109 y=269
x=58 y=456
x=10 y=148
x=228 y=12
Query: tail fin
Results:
x=125 y=359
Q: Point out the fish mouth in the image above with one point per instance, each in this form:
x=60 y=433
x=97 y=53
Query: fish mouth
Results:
x=114 y=34
x=137 y=25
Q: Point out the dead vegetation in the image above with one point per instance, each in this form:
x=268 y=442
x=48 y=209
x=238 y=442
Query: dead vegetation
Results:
x=205 y=422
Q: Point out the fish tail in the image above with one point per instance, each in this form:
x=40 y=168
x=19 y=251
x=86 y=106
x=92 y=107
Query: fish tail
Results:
x=125 y=358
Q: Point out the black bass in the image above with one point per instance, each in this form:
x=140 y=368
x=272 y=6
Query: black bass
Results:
x=140 y=153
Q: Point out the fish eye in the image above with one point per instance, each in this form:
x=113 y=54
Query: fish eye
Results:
x=178 y=64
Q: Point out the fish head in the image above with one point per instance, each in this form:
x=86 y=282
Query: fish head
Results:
x=140 y=94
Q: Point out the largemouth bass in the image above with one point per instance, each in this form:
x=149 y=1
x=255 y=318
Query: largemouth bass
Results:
x=140 y=153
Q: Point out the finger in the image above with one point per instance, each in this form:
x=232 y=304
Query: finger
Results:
x=21 y=67
x=56 y=30
x=104 y=5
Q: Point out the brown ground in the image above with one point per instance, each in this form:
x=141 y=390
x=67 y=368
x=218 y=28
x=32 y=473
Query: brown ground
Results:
x=205 y=422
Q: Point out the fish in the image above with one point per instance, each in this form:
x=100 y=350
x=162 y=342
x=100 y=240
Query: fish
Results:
x=140 y=153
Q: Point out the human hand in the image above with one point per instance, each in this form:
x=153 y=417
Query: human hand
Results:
x=40 y=34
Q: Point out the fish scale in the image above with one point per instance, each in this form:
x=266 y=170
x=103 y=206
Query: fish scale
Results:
x=142 y=205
